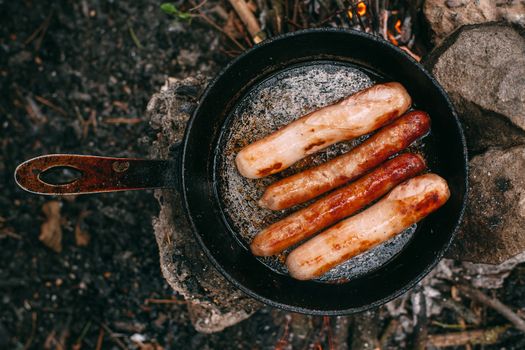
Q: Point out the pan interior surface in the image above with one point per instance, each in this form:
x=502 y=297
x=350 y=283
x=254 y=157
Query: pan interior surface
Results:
x=269 y=105
x=203 y=150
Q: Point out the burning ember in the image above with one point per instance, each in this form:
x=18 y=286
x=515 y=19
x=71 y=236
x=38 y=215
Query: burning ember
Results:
x=393 y=22
x=361 y=9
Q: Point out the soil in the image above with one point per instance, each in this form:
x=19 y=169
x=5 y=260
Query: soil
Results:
x=75 y=77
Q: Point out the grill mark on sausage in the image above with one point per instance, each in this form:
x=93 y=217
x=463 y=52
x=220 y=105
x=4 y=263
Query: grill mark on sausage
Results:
x=312 y=145
x=270 y=170
x=361 y=248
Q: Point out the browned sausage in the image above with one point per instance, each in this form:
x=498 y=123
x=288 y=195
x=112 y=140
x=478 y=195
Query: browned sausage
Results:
x=336 y=206
x=309 y=184
x=405 y=205
x=354 y=116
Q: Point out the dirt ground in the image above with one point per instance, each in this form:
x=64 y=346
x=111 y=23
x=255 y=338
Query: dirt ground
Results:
x=75 y=77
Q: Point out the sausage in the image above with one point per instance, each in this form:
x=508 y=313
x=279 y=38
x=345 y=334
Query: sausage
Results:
x=403 y=206
x=336 y=206
x=309 y=184
x=354 y=116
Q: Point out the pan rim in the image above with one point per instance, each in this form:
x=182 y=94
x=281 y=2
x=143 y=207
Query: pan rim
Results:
x=306 y=310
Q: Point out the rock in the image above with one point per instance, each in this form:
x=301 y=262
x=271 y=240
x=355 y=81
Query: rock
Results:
x=213 y=304
x=482 y=67
x=493 y=227
x=446 y=16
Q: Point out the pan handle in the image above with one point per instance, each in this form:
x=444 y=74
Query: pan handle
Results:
x=97 y=174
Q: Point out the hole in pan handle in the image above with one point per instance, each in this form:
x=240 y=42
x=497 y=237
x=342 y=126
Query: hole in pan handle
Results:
x=94 y=174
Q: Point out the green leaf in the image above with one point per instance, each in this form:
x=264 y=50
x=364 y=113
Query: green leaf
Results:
x=169 y=8
x=184 y=16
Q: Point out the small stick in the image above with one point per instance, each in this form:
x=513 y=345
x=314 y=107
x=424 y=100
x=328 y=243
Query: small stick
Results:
x=295 y=10
x=100 y=339
x=462 y=311
x=48 y=103
x=422 y=324
x=247 y=17
x=389 y=331
x=296 y=25
x=475 y=337
x=8 y=232
x=277 y=10
x=328 y=18
x=80 y=338
x=113 y=337
x=164 y=301
x=327 y=327
x=215 y=26
x=198 y=6
x=122 y=120
x=42 y=29
x=495 y=304
x=283 y=341
x=29 y=341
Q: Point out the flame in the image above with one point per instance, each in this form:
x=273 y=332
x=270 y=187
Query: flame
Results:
x=392 y=38
x=397 y=26
x=350 y=14
x=361 y=9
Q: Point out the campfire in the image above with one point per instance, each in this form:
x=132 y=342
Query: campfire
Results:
x=248 y=23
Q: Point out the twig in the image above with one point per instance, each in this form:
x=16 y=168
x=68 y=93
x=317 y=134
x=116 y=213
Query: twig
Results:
x=495 y=304
x=164 y=301
x=247 y=17
x=83 y=333
x=448 y=326
x=29 y=341
x=283 y=341
x=295 y=10
x=229 y=53
x=134 y=37
x=411 y=53
x=42 y=29
x=475 y=337
x=216 y=27
x=100 y=338
x=113 y=337
x=328 y=329
x=296 y=25
x=198 y=6
x=122 y=120
x=422 y=324
x=8 y=232
x=277 y=10
x=461 y=311
x=48 y=103
x=389 y=331
x=34 y=111
x=328 y=18
x=345 y=18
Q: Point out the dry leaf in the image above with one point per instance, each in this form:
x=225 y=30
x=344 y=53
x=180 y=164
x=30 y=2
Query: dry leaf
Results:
x=51 y=231
x=82 y=237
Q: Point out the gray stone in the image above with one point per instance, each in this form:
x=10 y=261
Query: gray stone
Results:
x=445 y=16
x=493 y=227
x=213 y=303
x=482 y=67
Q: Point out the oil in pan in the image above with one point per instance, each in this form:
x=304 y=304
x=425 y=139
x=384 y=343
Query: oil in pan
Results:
x=269 y=105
